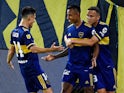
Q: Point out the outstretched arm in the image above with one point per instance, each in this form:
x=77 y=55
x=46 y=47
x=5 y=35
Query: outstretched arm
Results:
x=51 y=57
x=62 y=53
x=36 y=49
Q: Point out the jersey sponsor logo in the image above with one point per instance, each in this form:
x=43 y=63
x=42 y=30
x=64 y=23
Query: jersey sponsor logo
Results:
x=104 y=30
x=66 y=72
x=15 y=34
x=81 y=34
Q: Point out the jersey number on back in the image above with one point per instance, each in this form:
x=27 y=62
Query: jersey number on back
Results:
x=18 y=49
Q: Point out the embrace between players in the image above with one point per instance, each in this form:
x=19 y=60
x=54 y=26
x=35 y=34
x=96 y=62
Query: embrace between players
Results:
x=89 y=58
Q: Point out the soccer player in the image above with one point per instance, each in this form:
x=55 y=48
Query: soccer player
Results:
x=105 y=71
x=79 y=57
x=23 y=44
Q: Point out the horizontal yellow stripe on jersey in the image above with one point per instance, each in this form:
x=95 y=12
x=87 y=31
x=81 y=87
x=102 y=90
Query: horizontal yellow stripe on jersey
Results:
x=104 y=41
x=30 y=45
x=79 y=45
x=25 y=49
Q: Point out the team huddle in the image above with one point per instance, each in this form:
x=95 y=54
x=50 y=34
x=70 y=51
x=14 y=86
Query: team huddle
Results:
x=89 y=59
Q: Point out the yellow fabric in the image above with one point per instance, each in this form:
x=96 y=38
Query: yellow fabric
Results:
x=85 y=4
x=104 y=41
x=57 y=12
x=120 y=75
x=109 y=12
x=77 y=39
x=25 y=49
x=35 y=31
x=14 y=5
x=42 y=82
x=91 y=79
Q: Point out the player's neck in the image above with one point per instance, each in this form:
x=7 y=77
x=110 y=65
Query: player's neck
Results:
x=78 y=23
x=24 y=23
x=95 y=24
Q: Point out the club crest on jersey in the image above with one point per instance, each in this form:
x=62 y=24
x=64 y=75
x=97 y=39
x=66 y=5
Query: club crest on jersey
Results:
x=81 y=34
x=28 y=36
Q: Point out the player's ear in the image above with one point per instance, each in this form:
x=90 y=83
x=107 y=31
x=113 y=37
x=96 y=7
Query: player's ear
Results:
x=28 y=18
x=98 y=17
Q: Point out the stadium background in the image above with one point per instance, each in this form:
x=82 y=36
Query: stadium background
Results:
x=49 y=27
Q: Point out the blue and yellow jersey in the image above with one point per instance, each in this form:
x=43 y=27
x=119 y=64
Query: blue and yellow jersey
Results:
x=79 y=55
x=23 y=40
x=102 y=33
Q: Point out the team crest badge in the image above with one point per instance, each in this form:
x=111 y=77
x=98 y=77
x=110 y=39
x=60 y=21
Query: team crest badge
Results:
x=28 y=36
x=81 y=34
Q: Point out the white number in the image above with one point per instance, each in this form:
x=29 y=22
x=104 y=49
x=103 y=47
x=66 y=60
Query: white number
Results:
x=104 y=30
x=95 y=78
x=18 y=49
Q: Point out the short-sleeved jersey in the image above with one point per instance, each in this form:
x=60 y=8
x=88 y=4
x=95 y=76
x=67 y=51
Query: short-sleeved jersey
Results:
x=79 y=55
x=23 y=40
x=102 y=33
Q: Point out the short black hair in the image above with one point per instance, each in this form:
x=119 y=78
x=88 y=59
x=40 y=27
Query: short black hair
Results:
x=74 y=7
x=95 y=8
x=28 y=10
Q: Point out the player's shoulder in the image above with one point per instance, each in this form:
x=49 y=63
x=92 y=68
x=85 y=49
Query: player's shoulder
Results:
x=103 y=23
x=25 y=29
x=71 y=25
x=87 y=24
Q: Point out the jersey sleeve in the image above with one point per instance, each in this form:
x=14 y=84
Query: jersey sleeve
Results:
x=102 y=32
x=28 y=39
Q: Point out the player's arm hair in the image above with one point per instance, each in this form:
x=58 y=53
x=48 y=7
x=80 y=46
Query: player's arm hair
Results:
x=10 y=54
x=62 y=53
x=86 y=42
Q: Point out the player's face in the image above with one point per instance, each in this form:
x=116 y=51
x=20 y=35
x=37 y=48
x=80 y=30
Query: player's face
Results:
x=92 y=17
x=72 y=15
x=31 y=20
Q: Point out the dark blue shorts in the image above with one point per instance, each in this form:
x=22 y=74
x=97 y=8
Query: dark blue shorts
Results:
x=34 y=77
x=83 y=74
x=105 y=79
x=35 y=83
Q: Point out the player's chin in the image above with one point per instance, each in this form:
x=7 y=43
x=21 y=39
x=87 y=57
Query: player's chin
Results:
x=30 y=26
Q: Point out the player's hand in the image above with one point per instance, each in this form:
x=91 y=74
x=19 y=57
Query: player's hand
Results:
x=69 y=43
x=11 y=65
x=49 y=57
x=94 y=64
x=57 y=48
